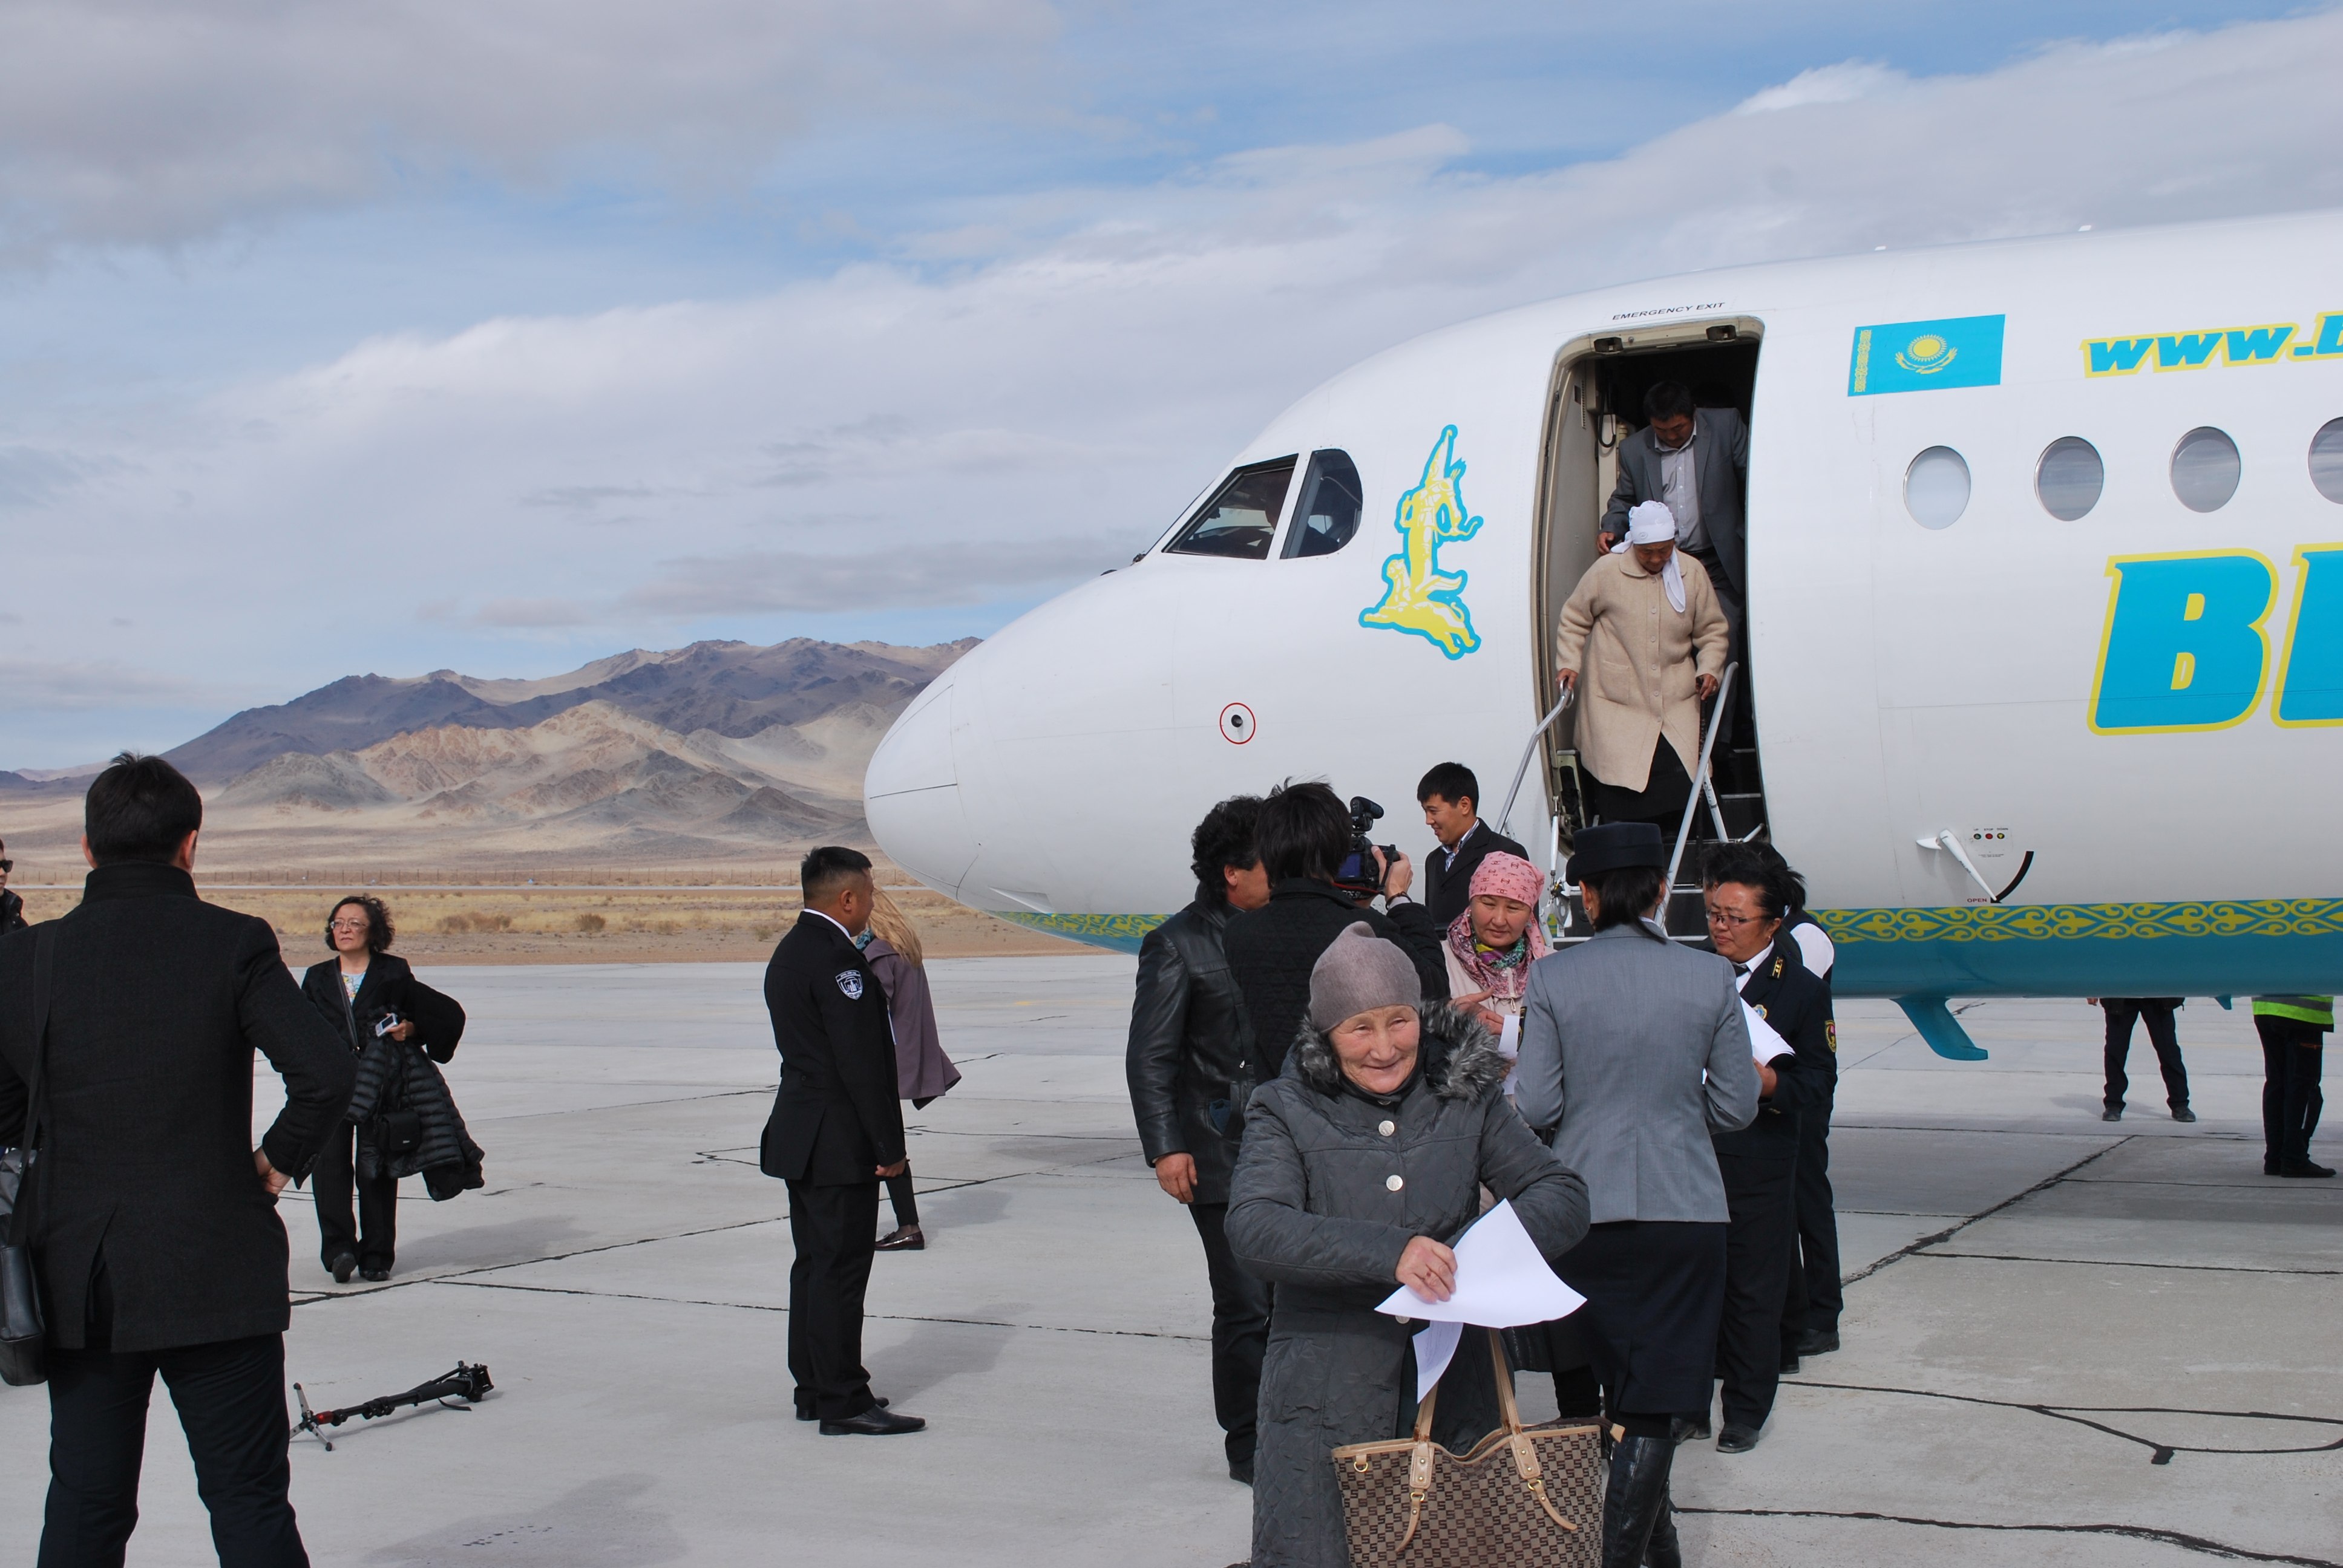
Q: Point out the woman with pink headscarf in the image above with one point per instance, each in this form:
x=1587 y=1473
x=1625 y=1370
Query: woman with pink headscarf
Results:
x=1492 y=943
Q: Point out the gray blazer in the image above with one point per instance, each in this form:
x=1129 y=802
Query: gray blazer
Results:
x=1616 y=1035
x=1717 y=434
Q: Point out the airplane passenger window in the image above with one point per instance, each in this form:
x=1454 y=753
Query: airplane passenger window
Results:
x=1328 y=514
x=1241 y=516
x=2070 y=477
x=2205 y=469
x=2327 y=460
x=1936 y=487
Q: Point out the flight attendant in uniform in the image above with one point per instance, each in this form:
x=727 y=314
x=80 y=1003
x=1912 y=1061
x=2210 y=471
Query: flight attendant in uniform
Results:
x=1748 y=908
x=835 y=1134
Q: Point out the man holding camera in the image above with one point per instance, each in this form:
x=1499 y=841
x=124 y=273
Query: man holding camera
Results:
x=1187 y=1065
x=1305 y=836
x=129 y=1025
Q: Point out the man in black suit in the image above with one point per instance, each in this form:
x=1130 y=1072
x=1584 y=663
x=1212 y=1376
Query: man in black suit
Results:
x=1450 y=798
x=836 y=1133
x=1747 y=903
x=156 y=1228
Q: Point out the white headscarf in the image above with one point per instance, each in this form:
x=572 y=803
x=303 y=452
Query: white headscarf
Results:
x=1651 y=523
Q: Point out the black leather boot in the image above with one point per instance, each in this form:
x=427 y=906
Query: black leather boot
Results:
x=1664 y=1549
x=1631 y=1502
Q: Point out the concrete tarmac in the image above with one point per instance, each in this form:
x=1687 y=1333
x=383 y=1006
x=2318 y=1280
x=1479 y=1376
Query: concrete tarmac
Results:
x=2066 y=1341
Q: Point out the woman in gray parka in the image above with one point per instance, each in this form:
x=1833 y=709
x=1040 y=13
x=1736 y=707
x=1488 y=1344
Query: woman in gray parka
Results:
x=1359 y=1164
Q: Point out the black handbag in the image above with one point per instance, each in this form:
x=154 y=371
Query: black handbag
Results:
x=397 y=1132
x=24 y=1334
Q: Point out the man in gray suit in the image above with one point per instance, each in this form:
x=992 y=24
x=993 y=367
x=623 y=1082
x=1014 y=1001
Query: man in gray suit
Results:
x=1697 y=461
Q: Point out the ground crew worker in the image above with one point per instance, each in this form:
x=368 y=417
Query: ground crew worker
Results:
x=2293 y=1030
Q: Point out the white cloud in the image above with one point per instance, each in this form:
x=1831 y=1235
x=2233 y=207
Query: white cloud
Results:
x=1009 y=406
x=163 y=119
x=1838 y=84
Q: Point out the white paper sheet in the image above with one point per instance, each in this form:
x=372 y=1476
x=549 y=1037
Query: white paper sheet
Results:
x=1764 y=1042
x=1502 y=1282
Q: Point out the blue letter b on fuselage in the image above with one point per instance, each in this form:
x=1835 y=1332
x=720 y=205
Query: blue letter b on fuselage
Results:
x=2184 y=648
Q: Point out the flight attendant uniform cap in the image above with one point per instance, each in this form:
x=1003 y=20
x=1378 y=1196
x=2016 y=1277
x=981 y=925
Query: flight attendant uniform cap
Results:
x=1358 y=972
x=1613 y=847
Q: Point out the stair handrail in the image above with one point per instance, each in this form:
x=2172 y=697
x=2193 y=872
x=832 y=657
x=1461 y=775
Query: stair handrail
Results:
x=1529 y=749
x=1692 y=801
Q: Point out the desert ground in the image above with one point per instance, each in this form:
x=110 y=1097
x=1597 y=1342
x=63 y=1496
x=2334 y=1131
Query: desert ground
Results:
x=587 y=915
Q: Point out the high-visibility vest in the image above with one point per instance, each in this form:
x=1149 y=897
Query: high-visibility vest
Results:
x=2317 y=1011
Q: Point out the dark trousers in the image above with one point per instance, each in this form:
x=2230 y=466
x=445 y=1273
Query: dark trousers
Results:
x=1761 y=1245
x=834 y=1229
x=2292 y=1057
x=1814 y=1300
x=374 y=1237
x=2122 y=1010
x=1240 y=1331
x=231 y=1402
x=899 y=1196
x=1728 y=600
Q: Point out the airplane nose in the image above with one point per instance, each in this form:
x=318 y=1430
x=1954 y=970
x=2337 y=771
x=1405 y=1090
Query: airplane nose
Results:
x=911 y=795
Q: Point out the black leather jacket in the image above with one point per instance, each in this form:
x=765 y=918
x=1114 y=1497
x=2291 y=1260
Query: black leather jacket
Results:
x=1190 y=1039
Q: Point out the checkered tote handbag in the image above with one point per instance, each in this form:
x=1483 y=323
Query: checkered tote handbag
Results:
x=1525 y=1496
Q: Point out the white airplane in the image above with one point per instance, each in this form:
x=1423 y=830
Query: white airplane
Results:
x=2046 y=614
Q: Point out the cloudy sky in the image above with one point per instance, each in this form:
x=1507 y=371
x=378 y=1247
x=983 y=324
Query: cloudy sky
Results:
x=501 y=335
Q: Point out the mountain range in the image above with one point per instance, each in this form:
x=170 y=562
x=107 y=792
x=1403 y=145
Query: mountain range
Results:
x=717 y=748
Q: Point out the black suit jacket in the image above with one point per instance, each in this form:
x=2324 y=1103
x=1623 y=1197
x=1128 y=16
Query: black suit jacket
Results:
x=389 y=986
x=1448 y=889
x=157 y=1002
x=1797 y=1004
x=836 y=1117
x=1190 y=1036
x=1272 y=950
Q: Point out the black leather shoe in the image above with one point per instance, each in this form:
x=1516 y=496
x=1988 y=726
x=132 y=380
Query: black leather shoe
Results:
x=1789 y=1362
x=2270 y=1168
x=875 y=1421
x=2182 y=1113
x=376 y=1275
x=342 y=1268
x=2112 y=1113
x=1736 y=1438
x=805 y=1411
x=2305 y=1168
x=1240 y=1470
x=1682 y=1429
x=1820 y=1342
x=909 y=1239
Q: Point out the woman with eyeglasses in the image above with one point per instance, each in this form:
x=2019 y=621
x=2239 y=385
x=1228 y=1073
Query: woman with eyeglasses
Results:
x=12 y=906
x=365 y=991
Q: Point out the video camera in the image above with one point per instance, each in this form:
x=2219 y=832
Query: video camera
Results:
x=1359 y=875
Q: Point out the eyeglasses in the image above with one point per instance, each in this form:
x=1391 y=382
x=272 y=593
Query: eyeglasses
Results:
x=1731 y=921
x=351 y=925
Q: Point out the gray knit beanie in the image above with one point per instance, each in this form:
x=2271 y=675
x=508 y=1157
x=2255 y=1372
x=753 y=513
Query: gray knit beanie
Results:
x=1360 y=972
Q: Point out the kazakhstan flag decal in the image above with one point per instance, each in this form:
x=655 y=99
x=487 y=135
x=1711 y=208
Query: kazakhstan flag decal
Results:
x=1926 y=355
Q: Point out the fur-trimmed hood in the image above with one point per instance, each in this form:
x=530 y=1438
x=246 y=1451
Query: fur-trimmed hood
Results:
x=1460 y=1059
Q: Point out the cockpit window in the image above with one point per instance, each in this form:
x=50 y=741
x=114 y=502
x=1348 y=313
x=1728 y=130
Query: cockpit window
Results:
x=1328 y=514
x=1241 y=516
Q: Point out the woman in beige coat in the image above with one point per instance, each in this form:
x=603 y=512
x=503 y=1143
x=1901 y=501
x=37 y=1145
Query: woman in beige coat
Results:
x=1644 y=640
